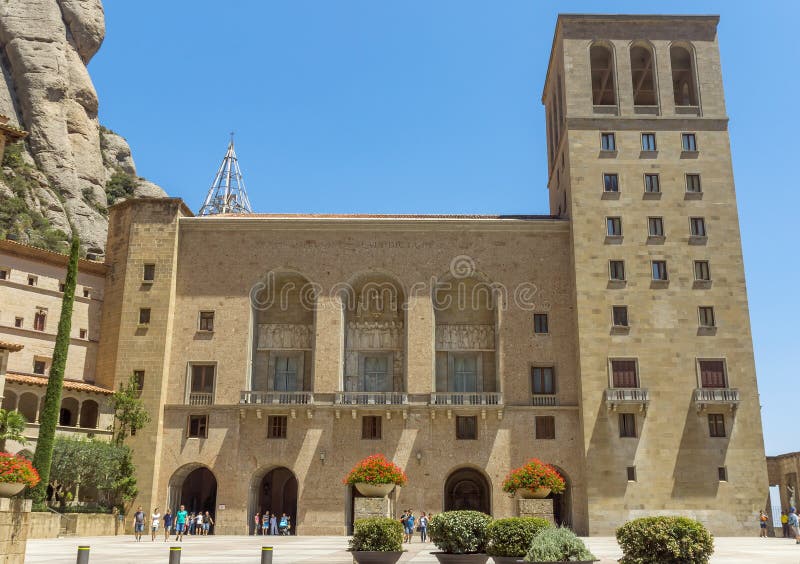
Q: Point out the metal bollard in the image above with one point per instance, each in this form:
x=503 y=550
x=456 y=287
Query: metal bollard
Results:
x=266 y=555
x=174 y=555
x=83 y=555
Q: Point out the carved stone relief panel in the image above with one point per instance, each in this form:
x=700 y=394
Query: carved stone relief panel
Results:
x=284 y=336
x=464 y=337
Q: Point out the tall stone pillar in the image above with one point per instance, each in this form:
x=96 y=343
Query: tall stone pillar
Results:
x=420 y=345
x=328 y=344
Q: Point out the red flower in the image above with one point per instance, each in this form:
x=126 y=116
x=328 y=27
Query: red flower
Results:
x=376 y=469
x=15 y=469
x=533 y=475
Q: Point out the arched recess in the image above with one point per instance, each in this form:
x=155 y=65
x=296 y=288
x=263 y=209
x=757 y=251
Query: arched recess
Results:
x=643 y=75
x=604 y=84
x=684 y=77
x=89 y=414
x=27 y=406
x=68 y=414
x=467 y=488
x=274 y=490
x=193 y=486
x=374 y=313
x=283 y=333
x=9 y=400
x=562 y=503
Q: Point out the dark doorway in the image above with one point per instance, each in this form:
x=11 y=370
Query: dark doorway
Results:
x=467 y=489
x=199 y=491
x=562 y=503
x=277 y=493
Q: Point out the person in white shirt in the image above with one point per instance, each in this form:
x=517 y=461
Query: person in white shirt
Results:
x=155 y=520
x=198 y=523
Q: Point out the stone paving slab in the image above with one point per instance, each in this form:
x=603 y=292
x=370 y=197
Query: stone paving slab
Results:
x=332 y=550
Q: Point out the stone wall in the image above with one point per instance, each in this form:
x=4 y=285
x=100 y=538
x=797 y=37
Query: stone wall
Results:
x=44 y=525
x=88 y=524
x=14 y=522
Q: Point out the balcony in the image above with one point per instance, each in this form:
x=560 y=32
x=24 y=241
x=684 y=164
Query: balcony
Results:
x=627 y=397
x=371 y=398
x=714 y=397
x=198 y=398
x=466 y=398
x=251 y=397
x=544 y=400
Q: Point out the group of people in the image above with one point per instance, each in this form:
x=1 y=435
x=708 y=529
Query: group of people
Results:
x=411 y=523
x=790 y=524
x=181 y=523
x=271 y=524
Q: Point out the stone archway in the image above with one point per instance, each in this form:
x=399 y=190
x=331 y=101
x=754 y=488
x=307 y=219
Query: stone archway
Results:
x=467 y=488
x=562 y=503
x=274 y=490
x=195 y=487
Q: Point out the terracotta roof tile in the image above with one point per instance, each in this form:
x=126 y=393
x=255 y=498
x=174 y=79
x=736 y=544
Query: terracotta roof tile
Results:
x=75 y=385
x=13 y=347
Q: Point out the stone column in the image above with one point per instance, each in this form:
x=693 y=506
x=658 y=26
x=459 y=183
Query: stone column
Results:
x=15 y=517
x=420 y=344
x=328 y=344
x=541 y=508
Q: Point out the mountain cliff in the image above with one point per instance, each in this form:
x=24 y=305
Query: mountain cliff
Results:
x=69 y=168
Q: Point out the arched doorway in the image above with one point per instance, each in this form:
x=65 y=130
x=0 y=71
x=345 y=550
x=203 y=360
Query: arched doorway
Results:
x=275 y=491
x=562 y=503
x=195 y=487
x=467 y=488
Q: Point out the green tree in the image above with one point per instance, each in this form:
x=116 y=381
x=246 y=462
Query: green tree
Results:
x=48 y=418
x=129 y=412
x=12 y=427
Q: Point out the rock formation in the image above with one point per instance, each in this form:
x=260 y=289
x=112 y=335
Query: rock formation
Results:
x=45 y=88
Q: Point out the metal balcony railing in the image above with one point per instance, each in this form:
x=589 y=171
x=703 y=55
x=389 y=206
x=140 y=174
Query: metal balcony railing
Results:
x=466 y=398
x=198 y=398
x=543 y=400
x=616 y=397
x=252 y=397
x=371 y=398
x=710 y=396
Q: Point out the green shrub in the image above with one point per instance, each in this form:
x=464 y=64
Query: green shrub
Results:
x=120 y=185
x=513 y=536
x=665 y=540
x=557 y=545
x=459 y=532
x=377 y=533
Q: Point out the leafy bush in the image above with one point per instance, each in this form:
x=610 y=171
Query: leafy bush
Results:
x=665 y=540
x=513 y=536
x=120 y=185
x=533 y=475
x=557 y=544
x=459 y=532
x=15 y=469
x=376 y=469
x=377 y=533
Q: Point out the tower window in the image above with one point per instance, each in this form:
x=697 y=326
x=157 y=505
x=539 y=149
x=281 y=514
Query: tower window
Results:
x=277 y=426
x=643 y=77
x=608 y=142
x=371 y=427
x=722 y=474
x=32 y=280
x=197 y=427
x=543 y=380
x=616 y=270
x=614 y=226
x=651 y=183
x=611 y=182
x=683 y=76
x=706 y=314
x=716 y=425
x=701 y=270
x=18 y=322
x=604 y=88
x=655 y=227
x=466 y=427
x=144 y=316
x=693 y=183
x=648 y=142
x=627 y=425
x=660 y=270
x=689 y=142
x=697 y=226
x=149 y=273
x=540 y=323
x=39 y=320
x=206 y=321
x=631 y=473
x=545 y=427
x=619 y=315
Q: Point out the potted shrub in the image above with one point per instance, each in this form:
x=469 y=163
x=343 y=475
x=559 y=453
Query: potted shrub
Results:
x=460 y=535
x=666 y=540
x=558 y=544
x=375 y=476
x=508 y=540
x=15 y=474
x=534 y=479
x=377 y=540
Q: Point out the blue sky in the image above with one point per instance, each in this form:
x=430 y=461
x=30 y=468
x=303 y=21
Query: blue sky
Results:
x=433 y=107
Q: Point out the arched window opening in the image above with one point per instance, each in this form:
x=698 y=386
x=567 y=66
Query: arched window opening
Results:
x=643 y=77
x=68 y=415
x=684 y=85
x=27 y=406
x=10 y=401
x=89 y=413
x=604 y=88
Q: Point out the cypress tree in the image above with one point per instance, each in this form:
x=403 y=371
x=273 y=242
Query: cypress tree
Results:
x=48 y=419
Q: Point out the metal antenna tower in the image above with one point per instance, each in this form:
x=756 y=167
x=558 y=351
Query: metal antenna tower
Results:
x=227 y=193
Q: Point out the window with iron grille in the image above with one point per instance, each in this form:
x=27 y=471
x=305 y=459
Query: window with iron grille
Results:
x=149 y=273
x=697 y=226
x=693 y=183
x=466 y=427
x=277 y=426
x=706 y=316
x=716 y=425
x=197 y=427
x=614 y=226
x=623 y=374
x=543 y=380
x=701 y=270
x=660 y=270
x=540 y=323
x=655 y=226
x=371 y=427
x=616 y=270
x=608 y=142
x=689 y=142
x=611 y=182
x=651 y=183
x=620 y=315
x=712 y=374
x=648 y=141
x=144 y=316
x=545 y=427
x=627 y=425
x=206 y=321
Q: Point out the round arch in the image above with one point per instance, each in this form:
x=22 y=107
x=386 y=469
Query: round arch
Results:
x=603 y=72
x=9 y=401
x=273 y=489
x=28 y=406
x=467 y=487
x=562 y=503
x=68 y=414
x=89 y=414
x=194 y=486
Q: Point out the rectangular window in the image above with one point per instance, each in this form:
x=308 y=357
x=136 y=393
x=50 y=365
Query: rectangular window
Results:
x=722 y=474
x=39 y=366
x=277 y=426
x=693 y=183
x=375 y=376
x=712 y=374
x=697 y=226
x=203 y=378
x=82 y=333
x=86 y=292
x=149 y=273
x=540 y=323
x=716 y=425
x=138 y=377
x=616 y=270
x=608 y=142
x=648 y=141
x=144 y=316
x=32 y=280
x=614 y=226
x=701 y=271
x=660 y=270
x=464 y=373
x=689 y=142
x=623 y=374
x=655 y=226
x=545 y=427
x=543 y=380
x=631 y=473
x=466 y=427
x=627 y=425
x=17 y=322
x=371 y=427
x=706 y=316
x=39 y=320
x=197 y=427
x=206 y=321
x=62 y=287
x=3 y=274
x=285 y=377
x=611 y=182
x=620 y=315
x=651 y=183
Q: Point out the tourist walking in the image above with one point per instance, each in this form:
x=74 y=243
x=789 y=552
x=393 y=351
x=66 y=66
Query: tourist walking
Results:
x=794 y=525
x=180 y=523
x=198 y=523
x=265 y=523
x=283 y=524
x=423 y=527
x=167 y=524
x=762 y=523
x=155 y=520
x=208 y=522
x=273 y=524
x=138 y=524
x=410 y=520
x=256 y=526
x=403 y=519
x=785 y=524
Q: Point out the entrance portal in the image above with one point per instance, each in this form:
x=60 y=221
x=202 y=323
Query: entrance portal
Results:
x=194 y=487
x=275 y=492
x=467 y=489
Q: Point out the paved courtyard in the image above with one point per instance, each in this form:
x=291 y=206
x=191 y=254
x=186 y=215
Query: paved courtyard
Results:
x=332 y=550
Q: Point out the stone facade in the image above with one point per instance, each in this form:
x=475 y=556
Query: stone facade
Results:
x=15 y=517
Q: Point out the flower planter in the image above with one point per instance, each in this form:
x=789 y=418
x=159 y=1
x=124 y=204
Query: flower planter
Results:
x=445 y=558
x=538 y=493
x=7 y=489
x=374 y=490
x=375 y=557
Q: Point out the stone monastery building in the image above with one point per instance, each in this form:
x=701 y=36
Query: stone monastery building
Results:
x=610 y=338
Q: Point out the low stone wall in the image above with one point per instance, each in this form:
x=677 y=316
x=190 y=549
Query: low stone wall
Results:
x=44 y=525
x=88 y=524
x=14 y=522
